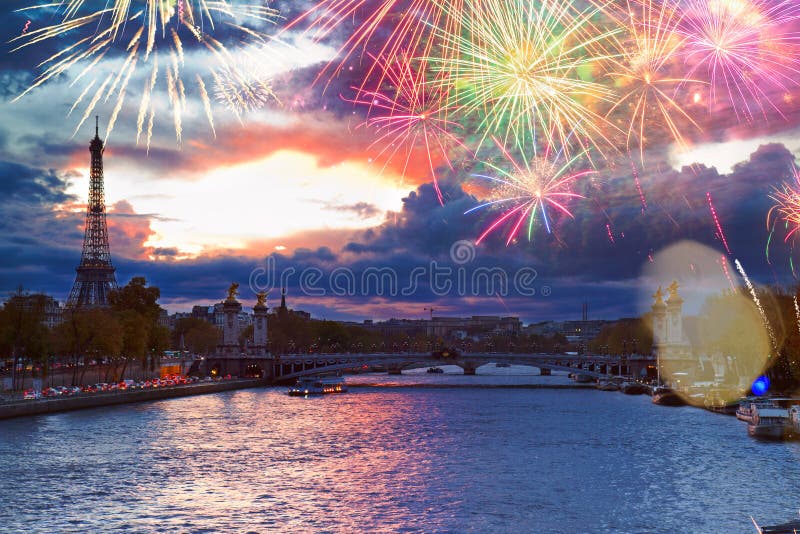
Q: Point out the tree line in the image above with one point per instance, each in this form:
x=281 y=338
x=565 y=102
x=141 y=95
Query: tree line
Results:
x=113 y=337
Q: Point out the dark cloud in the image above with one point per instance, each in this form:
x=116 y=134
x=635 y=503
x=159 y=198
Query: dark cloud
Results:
x=578 y=262
x=364 y=210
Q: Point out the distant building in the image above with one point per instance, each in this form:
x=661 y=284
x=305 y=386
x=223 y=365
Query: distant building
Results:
x=53 y=311
x=446 y=327
x=283 y=310
x=574 y=331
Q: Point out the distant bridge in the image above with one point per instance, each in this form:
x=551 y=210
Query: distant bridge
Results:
x=288 y=367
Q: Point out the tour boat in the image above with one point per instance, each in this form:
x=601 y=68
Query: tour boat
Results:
x=769 y=423
x=666 y=396
x=317 y=386
x=749 y=405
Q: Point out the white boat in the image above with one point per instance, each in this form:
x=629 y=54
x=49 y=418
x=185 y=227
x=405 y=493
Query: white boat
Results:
x=769 y=423
x=317 y=386
x=749 y=405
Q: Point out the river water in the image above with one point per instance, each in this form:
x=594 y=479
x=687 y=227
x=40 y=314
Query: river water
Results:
x=382 y=458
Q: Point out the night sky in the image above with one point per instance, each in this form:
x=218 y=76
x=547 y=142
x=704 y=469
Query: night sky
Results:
x=302 y=181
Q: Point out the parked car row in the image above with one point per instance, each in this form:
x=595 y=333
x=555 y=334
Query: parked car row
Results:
x=163 y=382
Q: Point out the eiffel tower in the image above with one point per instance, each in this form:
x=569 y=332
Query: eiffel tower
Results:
x=95 y=274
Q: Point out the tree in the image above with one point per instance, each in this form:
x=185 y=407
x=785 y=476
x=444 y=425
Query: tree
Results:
x=23 y=335
x=136 y=307
x=199 y=336
x=85 y=334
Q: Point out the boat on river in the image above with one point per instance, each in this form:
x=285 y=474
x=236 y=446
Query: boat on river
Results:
x=666 y=396
x=581 y=378
x=633 y=388
x=716 y=402
x=769 y=423
x=749 y=405
x=607 y=385
x=317 y=386
x=792 y=527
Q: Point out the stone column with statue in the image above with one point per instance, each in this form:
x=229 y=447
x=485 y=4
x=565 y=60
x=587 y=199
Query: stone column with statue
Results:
x=671 y=348
x=230 y=328
x=260 y=339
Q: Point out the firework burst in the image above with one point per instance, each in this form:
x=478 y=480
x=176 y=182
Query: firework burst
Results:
x=786 y=207
x=151 y=35
x=409 y=114
x=526 y=70
x=747 y=49
x=643 y=74
x=385 y=29
x=539 y=188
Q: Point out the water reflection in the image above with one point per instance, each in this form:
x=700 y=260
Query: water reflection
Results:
x=387 y=459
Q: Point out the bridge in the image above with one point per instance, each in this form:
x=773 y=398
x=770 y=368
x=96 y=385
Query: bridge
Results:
x=292 y=366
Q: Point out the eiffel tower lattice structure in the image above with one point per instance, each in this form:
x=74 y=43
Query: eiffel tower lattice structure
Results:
x=95 y=276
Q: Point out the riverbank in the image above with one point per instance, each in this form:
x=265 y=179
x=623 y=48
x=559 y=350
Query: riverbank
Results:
x=418 y=385
x=23 y=408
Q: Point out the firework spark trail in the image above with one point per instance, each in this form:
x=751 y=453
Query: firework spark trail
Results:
x=717 y=223
x=411 y=116
x=150 y=125
x=144 y=104
x=796 y=312
x=174 y=100
x=745 y=48
x=638 y=183
x=140 y=28
x=610 y=234
x=206 y=103
x=516 y=69
x=93 y=103
x=529 y=188
x=80 y=97
x=25 y=29
x=724 y=262
x=120 y=100
x=757 y=302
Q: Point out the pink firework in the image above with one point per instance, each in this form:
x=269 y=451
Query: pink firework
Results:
x=749 y=50
x=787 y=206
x=528 y=191
x=408 y=115
x=388 y=27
